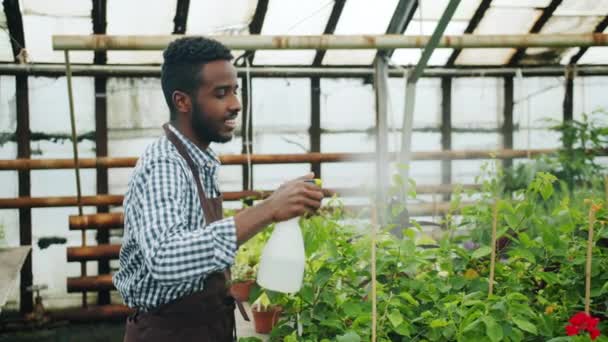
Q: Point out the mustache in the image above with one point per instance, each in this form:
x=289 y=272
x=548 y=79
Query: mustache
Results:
x=232 y=116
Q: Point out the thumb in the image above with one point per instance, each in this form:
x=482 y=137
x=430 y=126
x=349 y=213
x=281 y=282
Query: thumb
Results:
x=309 y=175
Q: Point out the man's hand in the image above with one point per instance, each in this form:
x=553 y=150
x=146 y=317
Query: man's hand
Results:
x=294 y=198
x=291 y=199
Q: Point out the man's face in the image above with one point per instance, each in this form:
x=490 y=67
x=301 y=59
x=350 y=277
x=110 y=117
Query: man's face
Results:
x=215 y=105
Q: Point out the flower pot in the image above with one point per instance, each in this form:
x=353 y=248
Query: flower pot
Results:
x=264 y=321
x=240 y=290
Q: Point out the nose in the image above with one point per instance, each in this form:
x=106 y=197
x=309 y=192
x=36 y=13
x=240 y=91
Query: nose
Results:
x=235 y=105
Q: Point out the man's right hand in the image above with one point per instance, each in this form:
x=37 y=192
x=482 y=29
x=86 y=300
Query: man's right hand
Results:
x=294 y=198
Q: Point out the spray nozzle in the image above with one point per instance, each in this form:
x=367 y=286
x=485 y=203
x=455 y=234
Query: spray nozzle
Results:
x=316 y=181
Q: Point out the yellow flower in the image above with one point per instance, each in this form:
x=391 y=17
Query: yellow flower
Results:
x=471 y=274
x=549 y=309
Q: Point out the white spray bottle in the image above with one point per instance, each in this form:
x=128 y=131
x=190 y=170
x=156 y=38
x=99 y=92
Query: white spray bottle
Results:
x=283 y=258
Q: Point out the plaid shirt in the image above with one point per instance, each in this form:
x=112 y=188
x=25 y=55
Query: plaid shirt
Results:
x=168 y=249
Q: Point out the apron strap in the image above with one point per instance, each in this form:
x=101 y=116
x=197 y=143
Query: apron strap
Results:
x=207 y=207
x=181 y=149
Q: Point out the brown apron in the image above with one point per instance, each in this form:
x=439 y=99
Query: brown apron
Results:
x=204 y=316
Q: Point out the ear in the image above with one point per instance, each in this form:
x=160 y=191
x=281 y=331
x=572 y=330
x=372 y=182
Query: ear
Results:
x=182 y=102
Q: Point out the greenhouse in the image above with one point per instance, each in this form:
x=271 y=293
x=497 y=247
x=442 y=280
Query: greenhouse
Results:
x=321 y=170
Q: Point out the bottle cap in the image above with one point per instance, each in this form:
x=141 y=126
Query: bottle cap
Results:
x=315 y=181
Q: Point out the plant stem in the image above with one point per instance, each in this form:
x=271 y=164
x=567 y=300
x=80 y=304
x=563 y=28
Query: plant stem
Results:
x=373 y=271
x=589 y=254
x=493 y=255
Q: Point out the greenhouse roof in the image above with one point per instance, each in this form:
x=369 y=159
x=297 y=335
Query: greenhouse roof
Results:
x=41 y=19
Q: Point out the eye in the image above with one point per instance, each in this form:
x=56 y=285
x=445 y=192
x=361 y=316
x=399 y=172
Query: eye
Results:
x=220 y=93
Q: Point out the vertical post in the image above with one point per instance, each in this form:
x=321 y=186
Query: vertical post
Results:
x=446 y=130
x=246 y=134
x=26 y=303
x=568 y=98
x=315 y=122
x=101 y=138
x=507 y=125
x=382 y=163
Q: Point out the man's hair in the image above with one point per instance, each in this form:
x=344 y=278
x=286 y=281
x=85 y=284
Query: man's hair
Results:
x=181 y=68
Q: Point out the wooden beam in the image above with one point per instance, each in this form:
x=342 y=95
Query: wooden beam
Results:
x=180 y=20
x=507 y=126
x=99 y=15
x=404 y=12
x=15 y=30
x=315 y=122
x=598 y=29
x=536 y=28
x=446 y=130
x=255 y=27
x=330 y=27
x=475 y=20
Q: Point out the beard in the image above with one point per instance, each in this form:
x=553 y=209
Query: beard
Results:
x=206 y=129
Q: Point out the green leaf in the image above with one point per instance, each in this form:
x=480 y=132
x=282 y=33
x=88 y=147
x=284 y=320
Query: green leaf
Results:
x=493 y=330
x=481 y=252
x=350 y=336
x=403 y=329
x=472 y=325
x=351 y=309
x=408 y=297
x=517 y=296
x=550 y=278
x=395 y=317
x=525 y=325
x=439 y=323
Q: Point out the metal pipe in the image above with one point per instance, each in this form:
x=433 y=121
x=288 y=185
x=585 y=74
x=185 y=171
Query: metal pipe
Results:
x=96 y=221
x=239 y=159
x=116 y=200
x=57 y=70
x=326 y=42
x=93 y=253
x=382 y=159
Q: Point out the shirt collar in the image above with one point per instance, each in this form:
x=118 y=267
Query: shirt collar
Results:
x=207 y=157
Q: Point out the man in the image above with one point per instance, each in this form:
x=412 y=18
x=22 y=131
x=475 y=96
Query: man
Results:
x=176 y=245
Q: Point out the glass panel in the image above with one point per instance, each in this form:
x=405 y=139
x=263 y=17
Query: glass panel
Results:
x=535 y=103
x=589 y=95
x=433 y=9
x=49 y=105
x=522 y=3
x=595 y=55
x=43 y=19
x=281 y=102
x=158 y=20
x=8 y=119
x=266 y=177
x=486 y=111
x=219 y=17
x=136 y=103
x=499 y=21
x=378 y=16
x=582 y=7
x=564 y=24
x=347 y=104
x=6 y=50
x=427 y=111
x=440 y=56
x=293 y=17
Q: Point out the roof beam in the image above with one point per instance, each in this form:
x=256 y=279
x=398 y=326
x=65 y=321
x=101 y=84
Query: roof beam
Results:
x=538 y=25
x=479 y=13
x=255 y=27
x=14 y=22
x=181 y=16
x=598 y=29
x=401 y=18
x=99 y=15
x=332 y=22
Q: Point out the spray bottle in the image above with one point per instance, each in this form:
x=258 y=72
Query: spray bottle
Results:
x=283 y=258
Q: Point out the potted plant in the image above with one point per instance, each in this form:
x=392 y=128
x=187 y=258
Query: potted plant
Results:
x=243 y=276
x=265 y=314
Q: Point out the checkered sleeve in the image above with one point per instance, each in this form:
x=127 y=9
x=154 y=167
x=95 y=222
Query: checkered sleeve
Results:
x=173 y=251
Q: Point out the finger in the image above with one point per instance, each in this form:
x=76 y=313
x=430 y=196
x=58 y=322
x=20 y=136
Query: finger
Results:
x=311 y=203
x=314 y=194
x=307 y=176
